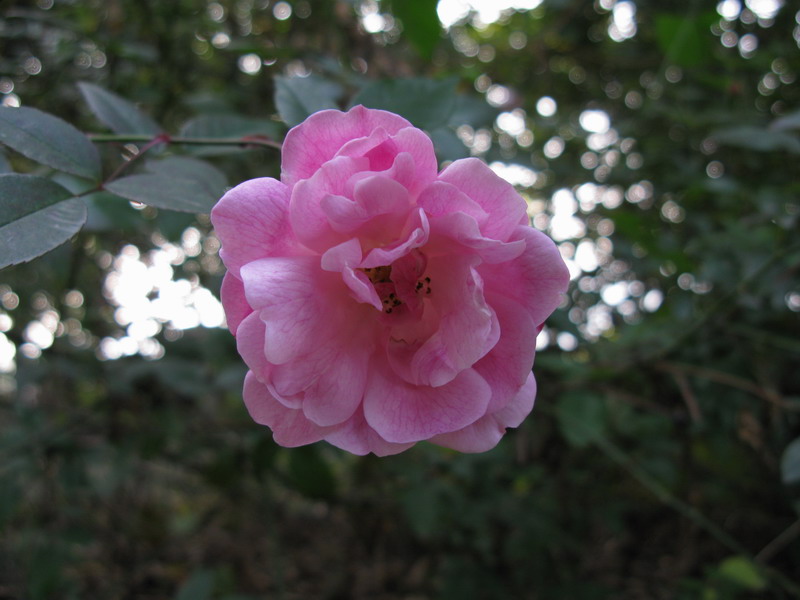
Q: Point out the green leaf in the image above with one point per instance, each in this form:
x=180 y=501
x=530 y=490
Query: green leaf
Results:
x=447 y=144
x=49 y=140
x=174 y=183
x=227 y=126
x=757 y=138
x=425 y=102
x=741 y=571
x=790 y=121
x=36 y=215
x=420 y=24
x=199 y=586
x=5 y=166
x=310 y=473
x=686 y=40
x=472 y=110
x=119 y=114
x=581 y=418
x=790 y=463
x=298 y=97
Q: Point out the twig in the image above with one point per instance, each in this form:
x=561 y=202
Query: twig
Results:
x=783 y=539
x=248 y=140
x=690 y=512
x=688 y=397
x=733 y=381
x=722 y=306
x=159 y=139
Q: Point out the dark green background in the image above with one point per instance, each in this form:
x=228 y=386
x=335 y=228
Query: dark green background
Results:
x=655 y=464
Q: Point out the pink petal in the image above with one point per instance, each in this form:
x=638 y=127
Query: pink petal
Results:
x=301 y=305
x=415 y=235
x=462 y=327
x=250 y=340
x=442 y=198
x=380 y=202
x=338 y=392
x=416 y=144
x=251 y=222
x=508 y=364
x=308 y=218
x=520 y=406
x=357 y=437
x=401 y=412
x=536 y=279
x=345 y=258
x=318 y=139
x=233 y=301
x=407 y=155
x=462 y=229
x=494 y=194
x=290 y=427
x=485 y=433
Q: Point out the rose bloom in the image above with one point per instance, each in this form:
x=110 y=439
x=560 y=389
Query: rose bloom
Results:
x=378 y=302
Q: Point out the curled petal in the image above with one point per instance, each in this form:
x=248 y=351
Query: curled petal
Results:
x=535 y=279
x=301 y=305
x=346 y=258
x=441 y=198
x=495 y=195
x=251 y=222
x=289 y=426
x=457 y=327
x=485 y=433
x=320 y=137
x=358 y=437
x=462 y=229
x=401 y=412
x=233 y=301
x=308 y=217
x=337 y=393
x=250 y=340
x=509 y=362
x=378 y=201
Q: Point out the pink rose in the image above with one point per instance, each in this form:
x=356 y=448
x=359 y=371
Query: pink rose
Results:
x=378 y=302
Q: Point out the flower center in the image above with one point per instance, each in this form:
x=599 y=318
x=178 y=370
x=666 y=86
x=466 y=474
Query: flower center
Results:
x=394 y=294
x=379 y=274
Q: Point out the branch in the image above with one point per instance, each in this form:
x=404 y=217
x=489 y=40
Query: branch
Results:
x=248 y=140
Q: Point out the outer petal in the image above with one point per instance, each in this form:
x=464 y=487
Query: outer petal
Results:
x=250 y=344
x=484 y=434
x=318 y=139
x=401 y=412
x=289 y=426
x=300 y=304
x=233 y=301
x=358 y=437
x=494 y=194
x=459 y=228
x=337 y=393
x=442 y=198
x=251 y=221
x=536 y=279
x=506 y=367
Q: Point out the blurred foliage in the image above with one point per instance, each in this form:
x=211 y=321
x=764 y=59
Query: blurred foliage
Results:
x=661 y=460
